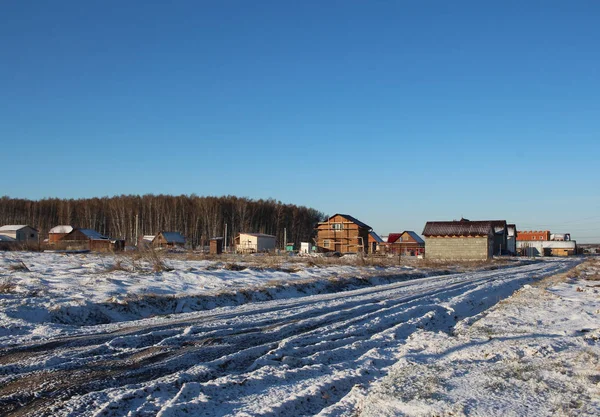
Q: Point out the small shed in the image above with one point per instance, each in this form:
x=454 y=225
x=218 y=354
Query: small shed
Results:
x=216 y=246
x=20 y=233
x=168 y=240
x=254 y=242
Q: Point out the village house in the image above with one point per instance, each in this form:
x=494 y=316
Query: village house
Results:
x=88 y=240
x=20 y=233
x=254 y=242
x=376 y=243
x=343 y=233
x=459 y=240
x=168 y=240
x=407 y=243
x=533 y=235
x=58 y=232
x=544 y=243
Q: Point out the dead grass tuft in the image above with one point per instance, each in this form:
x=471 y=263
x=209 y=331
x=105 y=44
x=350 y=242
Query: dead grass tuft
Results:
x=18 y=266
x=7 y=286
x=232 y=266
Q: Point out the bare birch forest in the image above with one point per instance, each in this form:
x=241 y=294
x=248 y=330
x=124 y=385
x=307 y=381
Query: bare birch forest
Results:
x=198 y=218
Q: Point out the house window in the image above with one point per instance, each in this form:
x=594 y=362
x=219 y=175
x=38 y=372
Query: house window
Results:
x=338 y=226
x=326 y=243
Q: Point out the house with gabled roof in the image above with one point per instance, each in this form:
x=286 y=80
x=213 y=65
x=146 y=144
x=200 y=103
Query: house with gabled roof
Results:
x=80 y=239
x=407 y=243
x=344 y=234
x=168 y=240
x=375 y=242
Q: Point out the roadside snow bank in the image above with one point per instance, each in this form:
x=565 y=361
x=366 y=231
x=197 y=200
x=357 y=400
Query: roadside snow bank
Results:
x=536 y=353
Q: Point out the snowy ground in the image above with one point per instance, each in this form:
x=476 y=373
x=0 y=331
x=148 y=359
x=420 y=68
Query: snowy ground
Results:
x=534 y=354
x=306 y=354
x=47 y=294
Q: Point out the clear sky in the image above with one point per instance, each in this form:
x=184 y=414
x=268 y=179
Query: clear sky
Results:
x=396 y=112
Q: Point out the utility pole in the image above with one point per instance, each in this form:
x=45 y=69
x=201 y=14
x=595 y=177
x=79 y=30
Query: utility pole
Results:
x=284 y=238
x=136 y=230
x=225 y=237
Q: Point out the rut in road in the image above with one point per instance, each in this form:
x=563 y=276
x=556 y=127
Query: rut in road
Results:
x=328 y=343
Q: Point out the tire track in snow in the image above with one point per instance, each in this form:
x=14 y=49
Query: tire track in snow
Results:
x=330 y=332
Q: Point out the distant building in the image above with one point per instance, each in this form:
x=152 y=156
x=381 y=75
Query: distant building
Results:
x=533 y=235
x=344 y=234
x=216 y=246
x=20 y=233
x=534 y=248
x=254 y=242
x=375 y=242
x=511 y=239
x=407 y=243
x=58 y=232
x=459 y=240
x=88 y=239
x=168 y=240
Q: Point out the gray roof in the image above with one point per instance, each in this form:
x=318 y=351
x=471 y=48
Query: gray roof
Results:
x=14 y=227
x=415 y=236
x=376 y=237
x=6 y=239
x=459 y=228
x=92 y=234
x=353 y=220
x=173 y=237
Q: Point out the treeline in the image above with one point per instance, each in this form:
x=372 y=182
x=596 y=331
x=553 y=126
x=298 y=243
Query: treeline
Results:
x=197 y=218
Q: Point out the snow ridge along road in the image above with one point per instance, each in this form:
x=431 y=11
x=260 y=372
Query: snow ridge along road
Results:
x=302 y=356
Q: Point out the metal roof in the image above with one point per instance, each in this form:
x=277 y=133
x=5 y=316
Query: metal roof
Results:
x=92 y=234
x=352 y=219
x=173 y=237
x=459 y=228
x=393 y=237
x=14 y=227
x=376 y=237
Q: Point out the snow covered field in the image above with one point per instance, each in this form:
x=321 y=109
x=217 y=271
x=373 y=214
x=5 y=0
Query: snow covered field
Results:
x=73 y=343
x=534 y=354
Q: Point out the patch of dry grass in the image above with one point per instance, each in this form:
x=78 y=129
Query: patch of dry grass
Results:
x=18 y=266
x=7 y=286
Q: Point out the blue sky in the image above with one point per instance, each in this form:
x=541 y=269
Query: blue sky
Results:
x=396 y=112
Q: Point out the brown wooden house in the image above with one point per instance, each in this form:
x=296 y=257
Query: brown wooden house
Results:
x=407 y=243
x=88 y=239
x=344 y=234
x=168 y=240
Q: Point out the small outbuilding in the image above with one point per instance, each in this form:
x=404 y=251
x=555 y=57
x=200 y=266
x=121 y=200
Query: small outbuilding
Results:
x=20 y=233
x=216 y=246
x=254 y=242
